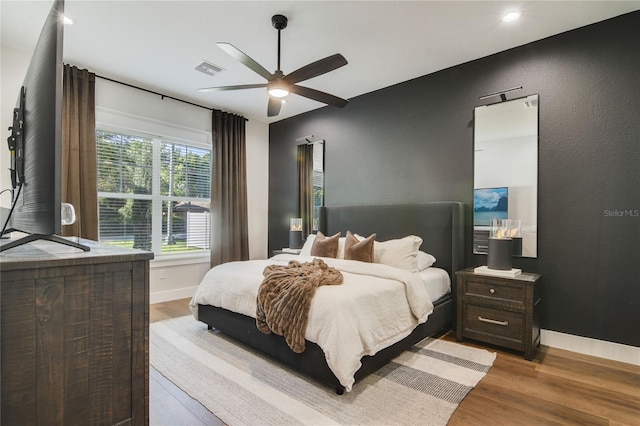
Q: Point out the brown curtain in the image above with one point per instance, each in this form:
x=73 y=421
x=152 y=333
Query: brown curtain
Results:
x=305 y=187
x=79 y=163
x=229 y=218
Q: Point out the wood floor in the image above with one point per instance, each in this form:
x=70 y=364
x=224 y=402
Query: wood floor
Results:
x=557 y=387
x=168 y=404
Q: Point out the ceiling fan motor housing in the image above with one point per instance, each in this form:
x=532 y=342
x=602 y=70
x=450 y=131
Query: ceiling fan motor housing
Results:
x=279 y=22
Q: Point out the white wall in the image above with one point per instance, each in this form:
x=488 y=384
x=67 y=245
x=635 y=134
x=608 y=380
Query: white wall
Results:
x=13 y=67
x=175 y=277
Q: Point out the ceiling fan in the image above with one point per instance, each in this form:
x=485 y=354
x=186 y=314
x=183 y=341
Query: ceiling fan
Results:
x=280 y=85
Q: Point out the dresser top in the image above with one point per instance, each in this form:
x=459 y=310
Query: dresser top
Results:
x=42 y=254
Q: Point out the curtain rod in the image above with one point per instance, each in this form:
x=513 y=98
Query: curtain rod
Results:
x=161 y=95
x=152 y=92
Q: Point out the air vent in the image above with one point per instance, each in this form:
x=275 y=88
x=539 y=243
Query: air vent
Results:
x=208 y=68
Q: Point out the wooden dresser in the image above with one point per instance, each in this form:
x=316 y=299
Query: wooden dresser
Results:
x=75 y=335
x=498 y=310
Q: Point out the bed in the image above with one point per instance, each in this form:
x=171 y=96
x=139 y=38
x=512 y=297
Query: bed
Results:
x=440 y=225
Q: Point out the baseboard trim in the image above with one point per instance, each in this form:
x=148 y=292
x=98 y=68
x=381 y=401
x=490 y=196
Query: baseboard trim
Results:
x=168 y=295
x=593 y=347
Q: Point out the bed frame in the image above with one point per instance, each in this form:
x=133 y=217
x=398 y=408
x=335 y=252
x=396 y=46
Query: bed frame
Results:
x=441 y=226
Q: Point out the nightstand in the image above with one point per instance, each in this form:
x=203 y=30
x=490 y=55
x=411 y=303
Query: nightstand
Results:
x=499 y=310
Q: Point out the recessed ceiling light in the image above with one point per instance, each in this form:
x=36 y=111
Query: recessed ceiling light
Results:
x=511 y=16
x=67 y=21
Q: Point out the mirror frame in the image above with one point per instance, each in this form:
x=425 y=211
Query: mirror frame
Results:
x=529 y=226
x=318 y=159
x=315 y=218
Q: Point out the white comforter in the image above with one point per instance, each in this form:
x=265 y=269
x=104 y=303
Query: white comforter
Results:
x=376 y=306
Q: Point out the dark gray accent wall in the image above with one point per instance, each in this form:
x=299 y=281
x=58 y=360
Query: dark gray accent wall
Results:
x=414 y=142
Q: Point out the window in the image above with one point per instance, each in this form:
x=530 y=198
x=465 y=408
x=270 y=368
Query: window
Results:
x=153 y=194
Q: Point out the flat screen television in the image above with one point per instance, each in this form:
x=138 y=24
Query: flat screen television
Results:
x=35 y=141
x=490 y=203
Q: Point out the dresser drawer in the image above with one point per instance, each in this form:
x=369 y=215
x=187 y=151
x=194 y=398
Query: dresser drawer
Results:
x=494 y=290
x=494 y=322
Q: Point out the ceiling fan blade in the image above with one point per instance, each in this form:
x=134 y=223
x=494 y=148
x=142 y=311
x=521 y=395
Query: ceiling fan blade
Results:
x=273 y=108
x=238 y=87
x=245 y=59
x=316 y=68
x=319 y=96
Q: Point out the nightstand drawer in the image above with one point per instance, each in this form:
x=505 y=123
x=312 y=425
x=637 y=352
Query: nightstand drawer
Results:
x=494 y=322
x=495 y=290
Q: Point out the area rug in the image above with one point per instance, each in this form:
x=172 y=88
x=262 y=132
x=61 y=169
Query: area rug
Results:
x=242 y=387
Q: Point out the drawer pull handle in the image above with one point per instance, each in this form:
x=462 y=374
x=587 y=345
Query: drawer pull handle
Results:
x=490 y=321
x=493 y=290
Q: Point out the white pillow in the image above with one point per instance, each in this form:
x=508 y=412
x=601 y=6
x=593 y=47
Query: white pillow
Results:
x=341 y=241
x=401 y=253
x=306 y=247
x=425 y=260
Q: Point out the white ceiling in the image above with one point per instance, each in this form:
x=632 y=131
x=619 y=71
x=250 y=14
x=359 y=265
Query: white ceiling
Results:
x=157 y=44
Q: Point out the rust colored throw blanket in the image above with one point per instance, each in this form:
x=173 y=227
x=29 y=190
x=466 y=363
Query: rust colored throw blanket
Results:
x=284 y=298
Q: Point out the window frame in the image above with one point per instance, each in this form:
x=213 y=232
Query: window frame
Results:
x=158 y=132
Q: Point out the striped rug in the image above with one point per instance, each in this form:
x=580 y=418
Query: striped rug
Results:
x=421 y=386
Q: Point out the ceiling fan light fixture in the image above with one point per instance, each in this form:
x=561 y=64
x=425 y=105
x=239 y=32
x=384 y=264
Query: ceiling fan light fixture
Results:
x=278 y=92
x=278 y=89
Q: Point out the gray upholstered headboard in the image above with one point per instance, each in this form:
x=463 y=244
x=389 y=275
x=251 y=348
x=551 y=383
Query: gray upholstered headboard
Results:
x=439 y=224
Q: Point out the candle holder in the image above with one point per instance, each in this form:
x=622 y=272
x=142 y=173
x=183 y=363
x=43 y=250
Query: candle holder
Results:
x=515 y=233
x=500 y=251
x=295 y=233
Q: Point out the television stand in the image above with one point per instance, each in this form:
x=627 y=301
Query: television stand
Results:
x=47 y=237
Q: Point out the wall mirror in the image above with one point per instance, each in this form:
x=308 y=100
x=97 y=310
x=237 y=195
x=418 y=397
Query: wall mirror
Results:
x=310 y=185
x=506 y=170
